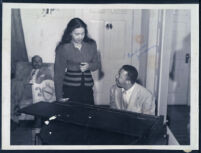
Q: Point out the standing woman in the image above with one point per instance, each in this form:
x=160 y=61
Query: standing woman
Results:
x=76 y=57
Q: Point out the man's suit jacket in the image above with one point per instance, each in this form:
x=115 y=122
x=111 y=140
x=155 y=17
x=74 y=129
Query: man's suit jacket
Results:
x=141 y=100
x=43 y=74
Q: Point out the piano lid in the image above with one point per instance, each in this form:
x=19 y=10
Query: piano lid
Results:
x=93 y=116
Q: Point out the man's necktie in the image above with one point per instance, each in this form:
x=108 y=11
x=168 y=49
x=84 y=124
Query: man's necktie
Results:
x=33 y=73
x=32 y=76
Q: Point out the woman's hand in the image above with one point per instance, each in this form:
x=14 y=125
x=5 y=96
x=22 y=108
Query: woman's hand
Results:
x=84 y=66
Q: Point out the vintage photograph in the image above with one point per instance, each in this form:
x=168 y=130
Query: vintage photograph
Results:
x=100 y=76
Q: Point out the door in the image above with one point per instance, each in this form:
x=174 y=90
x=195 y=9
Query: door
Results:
x=178 y=90
x=112 y=31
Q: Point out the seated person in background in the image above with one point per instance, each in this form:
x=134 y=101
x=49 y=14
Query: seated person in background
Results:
x=22 y=86
x=42 y=82
x=38 y=73
x=130 y=96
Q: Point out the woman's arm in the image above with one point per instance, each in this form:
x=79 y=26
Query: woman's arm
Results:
x=94 y=64
x=59 y=71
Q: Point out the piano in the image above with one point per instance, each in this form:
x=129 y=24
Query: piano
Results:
x=75 y=123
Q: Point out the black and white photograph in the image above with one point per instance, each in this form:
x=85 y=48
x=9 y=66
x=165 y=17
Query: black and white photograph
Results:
x=100 y=76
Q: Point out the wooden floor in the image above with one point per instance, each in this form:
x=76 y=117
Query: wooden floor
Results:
x=178 y=122
x=21 y=134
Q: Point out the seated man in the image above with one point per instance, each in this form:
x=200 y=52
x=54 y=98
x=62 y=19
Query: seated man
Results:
x=130 y=96
x=38 y=73
x=22 y=86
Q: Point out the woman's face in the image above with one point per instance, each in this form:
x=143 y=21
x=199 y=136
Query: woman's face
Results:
x=78 y=35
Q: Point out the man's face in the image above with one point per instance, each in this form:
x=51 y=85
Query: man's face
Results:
x=121 y=78
x=37 y=62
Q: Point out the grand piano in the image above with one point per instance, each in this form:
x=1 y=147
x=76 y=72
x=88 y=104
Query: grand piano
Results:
x=74 y=123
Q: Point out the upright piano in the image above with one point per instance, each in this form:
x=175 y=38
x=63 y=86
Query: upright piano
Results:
x=74 y=123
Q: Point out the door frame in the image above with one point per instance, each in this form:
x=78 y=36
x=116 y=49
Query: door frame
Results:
x=164 y=66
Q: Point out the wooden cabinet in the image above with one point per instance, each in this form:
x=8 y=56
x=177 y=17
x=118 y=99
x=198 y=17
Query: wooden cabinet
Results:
x=112 y=30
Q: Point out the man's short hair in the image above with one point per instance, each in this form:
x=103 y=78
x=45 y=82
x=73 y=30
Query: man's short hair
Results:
x=132 y=73
x=35 y=57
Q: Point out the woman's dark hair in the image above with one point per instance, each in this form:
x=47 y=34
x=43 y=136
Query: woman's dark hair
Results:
x=73 y=24
x=132 y=73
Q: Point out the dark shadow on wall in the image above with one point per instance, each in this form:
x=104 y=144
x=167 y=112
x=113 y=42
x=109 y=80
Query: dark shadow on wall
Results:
x=179 y=74
x=100 y=71
x=18 y=47
x=143 y=57
x=176 y=53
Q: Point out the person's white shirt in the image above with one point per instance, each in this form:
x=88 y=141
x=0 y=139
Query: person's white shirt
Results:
x=34 y=73
x=127 y=94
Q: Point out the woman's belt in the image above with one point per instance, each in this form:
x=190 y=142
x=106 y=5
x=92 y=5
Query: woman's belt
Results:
x=77 y=78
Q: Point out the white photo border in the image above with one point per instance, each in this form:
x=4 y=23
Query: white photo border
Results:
x=6 y=69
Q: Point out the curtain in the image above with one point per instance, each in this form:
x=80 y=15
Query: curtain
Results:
x=18 y=47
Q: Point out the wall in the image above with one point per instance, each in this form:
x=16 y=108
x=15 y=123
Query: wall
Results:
x=43 y=31
x=146 y=41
